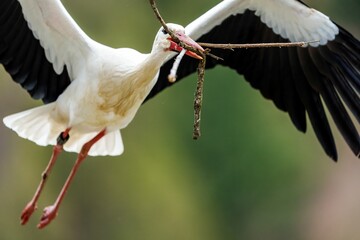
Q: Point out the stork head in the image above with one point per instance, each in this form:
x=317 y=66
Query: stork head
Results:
x=164 y=41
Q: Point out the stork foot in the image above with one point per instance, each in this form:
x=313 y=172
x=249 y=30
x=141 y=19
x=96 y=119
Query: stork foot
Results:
x=49 y=214
x=27 y=212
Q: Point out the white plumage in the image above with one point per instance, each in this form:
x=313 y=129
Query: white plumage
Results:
x=288 y=18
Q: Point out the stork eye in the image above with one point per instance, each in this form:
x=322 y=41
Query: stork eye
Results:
x=164 y=31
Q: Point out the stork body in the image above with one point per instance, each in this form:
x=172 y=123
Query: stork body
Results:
x=106 y=94
x=91 y=90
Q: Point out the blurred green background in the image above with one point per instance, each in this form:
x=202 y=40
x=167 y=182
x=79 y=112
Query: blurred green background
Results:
x=251 y=175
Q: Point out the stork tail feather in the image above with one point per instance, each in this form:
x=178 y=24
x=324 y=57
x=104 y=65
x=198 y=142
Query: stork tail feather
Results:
x=39 y=126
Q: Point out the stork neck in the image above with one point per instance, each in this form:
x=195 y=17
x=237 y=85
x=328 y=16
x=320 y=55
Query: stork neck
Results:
x=157 y=57
x=150 y=66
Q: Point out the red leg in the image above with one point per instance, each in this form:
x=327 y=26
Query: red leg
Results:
x=50 y=212
x=31 y=206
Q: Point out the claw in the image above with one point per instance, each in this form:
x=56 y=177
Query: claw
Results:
x=27 y=212
x=49 y=214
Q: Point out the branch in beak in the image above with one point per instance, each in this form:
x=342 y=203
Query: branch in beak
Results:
x=188 y=41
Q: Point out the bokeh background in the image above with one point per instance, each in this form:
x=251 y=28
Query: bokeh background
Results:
x=251 y=175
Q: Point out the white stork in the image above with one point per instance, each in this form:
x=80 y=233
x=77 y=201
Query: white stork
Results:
x=91 y=90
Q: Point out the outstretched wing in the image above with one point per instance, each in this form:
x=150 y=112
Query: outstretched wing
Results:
x=41 y=46
x=297 y=80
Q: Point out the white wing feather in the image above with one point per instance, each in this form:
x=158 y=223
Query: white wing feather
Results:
x=288 y=18
x=63 y=40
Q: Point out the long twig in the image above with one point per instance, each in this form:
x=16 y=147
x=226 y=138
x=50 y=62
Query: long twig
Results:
x=161 y=20
x=198 y=100
x=256 y=45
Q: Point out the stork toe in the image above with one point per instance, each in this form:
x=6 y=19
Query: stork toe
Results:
x=49 y=214
x=27 y=212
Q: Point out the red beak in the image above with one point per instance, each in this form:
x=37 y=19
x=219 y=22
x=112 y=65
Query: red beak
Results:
x=182 y=37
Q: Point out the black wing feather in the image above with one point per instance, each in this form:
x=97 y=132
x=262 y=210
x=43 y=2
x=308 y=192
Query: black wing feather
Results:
x=292 y=100
x=297 y=80
x=24 y=58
